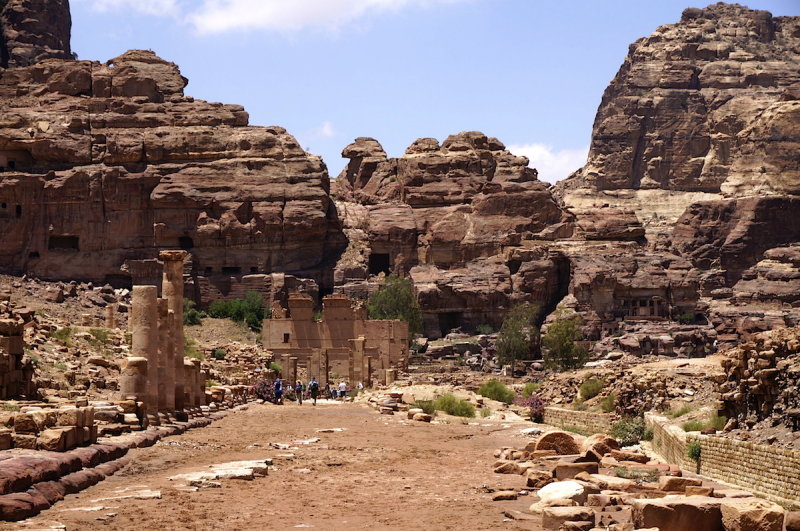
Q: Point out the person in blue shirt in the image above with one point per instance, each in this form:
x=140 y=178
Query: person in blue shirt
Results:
x=278 y=391
x=298 y=392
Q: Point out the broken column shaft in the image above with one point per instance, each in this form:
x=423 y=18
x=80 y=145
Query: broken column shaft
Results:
x=172 y=290
x=144 y=330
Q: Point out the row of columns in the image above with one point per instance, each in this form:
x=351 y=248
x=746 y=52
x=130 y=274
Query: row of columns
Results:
x=108 y=321
x=157 y=374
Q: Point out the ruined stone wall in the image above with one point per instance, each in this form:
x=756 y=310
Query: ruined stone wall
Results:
x=773 y=473
x=585 y=420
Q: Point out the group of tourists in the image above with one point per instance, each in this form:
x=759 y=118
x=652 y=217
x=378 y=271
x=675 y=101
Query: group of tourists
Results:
x=312 y=390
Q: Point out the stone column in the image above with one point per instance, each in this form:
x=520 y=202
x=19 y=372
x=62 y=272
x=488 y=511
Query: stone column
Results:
x=367 y=371
x=144 y=316
x=357 y=360
x=197 y=385
x=203 y=378
x=110 y=321
x=188 y=376
x=292 y=373
x=172 y=290
x=133 y=379
x=166 y=366
x=391 y=376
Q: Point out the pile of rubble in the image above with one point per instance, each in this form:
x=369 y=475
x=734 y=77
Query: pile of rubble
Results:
x=762 y=380
x=592 y=484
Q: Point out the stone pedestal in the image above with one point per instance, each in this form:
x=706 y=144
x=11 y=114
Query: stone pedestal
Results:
x=172 y=290
x=110 y=316
x=197 y=384
x=133 y=379
x=144 y=330
x=391 y=376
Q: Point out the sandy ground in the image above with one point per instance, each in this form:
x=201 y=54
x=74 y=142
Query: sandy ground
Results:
x=381 y=472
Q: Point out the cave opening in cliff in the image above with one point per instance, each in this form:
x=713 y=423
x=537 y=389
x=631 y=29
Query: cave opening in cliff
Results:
x=63 y=243
x=18 y=211
x=449 y=321
x=380 y=263
x=232 y=270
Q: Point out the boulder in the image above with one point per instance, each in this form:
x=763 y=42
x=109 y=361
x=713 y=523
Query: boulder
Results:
x=600 y=444
x=564 y=470
x=677 y=484
x=679 y=513
x=504 y=495
x=555 y=517
x=563 y=490
x=558 y=441
x=751 y=514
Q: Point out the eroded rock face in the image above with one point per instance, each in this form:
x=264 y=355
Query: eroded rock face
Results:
x=455 y=217
x=104 y=164
x=34 y=30
x=697 y=105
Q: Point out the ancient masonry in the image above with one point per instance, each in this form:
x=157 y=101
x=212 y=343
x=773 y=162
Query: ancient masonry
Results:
x=157 y=376
x=342 y=345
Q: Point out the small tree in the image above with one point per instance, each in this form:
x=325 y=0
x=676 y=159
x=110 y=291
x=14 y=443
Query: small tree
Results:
x=396 y=300
x=560 y=340
x=518 y=334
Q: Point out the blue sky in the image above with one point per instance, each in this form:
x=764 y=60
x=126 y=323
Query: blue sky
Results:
x=529 y=72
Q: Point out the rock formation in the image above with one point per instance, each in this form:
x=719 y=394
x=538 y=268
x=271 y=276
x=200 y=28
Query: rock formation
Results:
x=465 y=220
x=103 y=164
x=33 y=30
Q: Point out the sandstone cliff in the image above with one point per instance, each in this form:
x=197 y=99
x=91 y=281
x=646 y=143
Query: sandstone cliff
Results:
x=33 y=30
x=105 y=164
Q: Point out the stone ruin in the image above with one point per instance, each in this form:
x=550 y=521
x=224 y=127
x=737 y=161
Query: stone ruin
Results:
x=342 y=344
x=157 y=376
x=762 y=380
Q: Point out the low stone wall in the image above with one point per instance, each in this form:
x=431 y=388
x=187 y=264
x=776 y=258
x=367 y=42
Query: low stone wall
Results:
x=585 y=420
x=773 y=473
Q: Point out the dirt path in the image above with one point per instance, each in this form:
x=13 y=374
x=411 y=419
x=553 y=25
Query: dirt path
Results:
x=381 y=472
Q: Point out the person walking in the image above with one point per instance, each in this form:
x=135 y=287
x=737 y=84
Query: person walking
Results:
x=342 y=390
x=328 y=391
x=313 y=389
x=278 y=391
x=298 y=392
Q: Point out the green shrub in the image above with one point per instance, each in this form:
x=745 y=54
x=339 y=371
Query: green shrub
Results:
x=484 y=329
x=427 y=406
x=608 y=403
x=518 y=334
x=693 y=451
x=396 y=300
x=486 y=412
x=628 y=431
x=35 y=359
x=249 y=311
x=686 y=318
x=10 y=406
x=694 y=425
x=718 y=422
x=191 y=315
x=100 y=335
x=190 y=348
x=454 y=406
x=530 y=388
x=218 y=354
x=648 y=434
x=563 y=352
x=683 y=410
x=496 y=390
x=64 y=335
x=61 y=366
x=580 y=405
x=591 y=388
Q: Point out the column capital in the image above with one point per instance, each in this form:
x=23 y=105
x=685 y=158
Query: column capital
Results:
x=173 y=255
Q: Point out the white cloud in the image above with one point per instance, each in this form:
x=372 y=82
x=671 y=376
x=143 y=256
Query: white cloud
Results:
x=217 y=16
x=325 y=130
x=553 y=165
x=159 y=8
